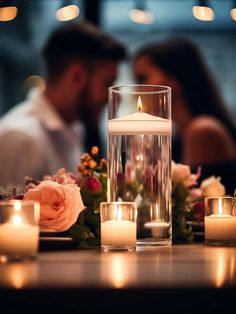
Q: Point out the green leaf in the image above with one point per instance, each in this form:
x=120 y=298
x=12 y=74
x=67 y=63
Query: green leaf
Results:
x=103 y=180
x=180 y=193
x=93 y=241
x=87 y=197
x=79 y=233
x=92 y=218
x=81 y=218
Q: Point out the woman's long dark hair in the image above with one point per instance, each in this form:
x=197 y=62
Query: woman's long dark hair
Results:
x=181 y=59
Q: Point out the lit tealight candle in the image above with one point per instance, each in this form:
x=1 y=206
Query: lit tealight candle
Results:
x=220 y=227
x=18 y=238
x=117 y=232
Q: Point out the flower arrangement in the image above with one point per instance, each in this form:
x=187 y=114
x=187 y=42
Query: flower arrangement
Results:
x=188 y=199
x=70 y=202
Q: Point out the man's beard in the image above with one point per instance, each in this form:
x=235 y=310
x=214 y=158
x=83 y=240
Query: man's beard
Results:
x=84 y=104
x=88 y=110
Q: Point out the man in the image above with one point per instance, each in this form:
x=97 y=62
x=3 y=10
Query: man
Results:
x=46 y=132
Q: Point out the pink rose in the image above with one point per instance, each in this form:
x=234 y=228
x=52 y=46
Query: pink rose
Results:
x=93 y=184
x=60 y=204
x=194 y=195
x=130 y=175
x=199 y=211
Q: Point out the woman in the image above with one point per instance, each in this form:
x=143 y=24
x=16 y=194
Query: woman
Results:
x=204 y=133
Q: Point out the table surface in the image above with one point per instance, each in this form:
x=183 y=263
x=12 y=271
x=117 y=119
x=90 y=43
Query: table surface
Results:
x=143 y=276
x=177 y=266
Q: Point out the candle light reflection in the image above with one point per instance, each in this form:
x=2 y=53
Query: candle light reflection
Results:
x=19 y=275
x=17 y=206
x=220 y=207
x=17 y=220
x=118 y=213
x=118 y=271
x=223 y=267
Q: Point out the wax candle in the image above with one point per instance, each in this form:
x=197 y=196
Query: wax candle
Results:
x=139 y=123
x=18 y=238
x=220 y=227
x=118 y=233
x=158 y=228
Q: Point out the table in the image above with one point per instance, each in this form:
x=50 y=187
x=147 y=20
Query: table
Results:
x=195 y=278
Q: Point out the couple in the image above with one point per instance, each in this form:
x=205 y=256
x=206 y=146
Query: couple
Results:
x=53 y=127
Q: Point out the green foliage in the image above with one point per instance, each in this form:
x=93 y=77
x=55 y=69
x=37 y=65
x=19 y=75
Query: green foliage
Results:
x=182 y=233
x=86 y=230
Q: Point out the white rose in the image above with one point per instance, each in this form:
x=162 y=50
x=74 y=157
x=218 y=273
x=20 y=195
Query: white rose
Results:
x=182 y=174
x=212 y=187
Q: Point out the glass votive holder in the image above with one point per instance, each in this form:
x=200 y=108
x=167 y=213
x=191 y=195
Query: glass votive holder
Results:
x=19 y=229
x=220 y=221
x=118 y=226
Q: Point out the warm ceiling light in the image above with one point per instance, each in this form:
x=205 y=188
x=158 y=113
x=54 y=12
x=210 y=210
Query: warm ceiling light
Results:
x=8 y=13
x=233 y=13
x=233 y=10
x=203 y=11
x=67 y=13
x=141 y=16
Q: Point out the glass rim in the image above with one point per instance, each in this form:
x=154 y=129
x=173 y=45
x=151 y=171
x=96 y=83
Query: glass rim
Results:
x=166 y=89
x=23 y=202
x=118 y=203
x=220 y=197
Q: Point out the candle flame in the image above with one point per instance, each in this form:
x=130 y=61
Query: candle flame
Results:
x=139 y=104
x=17 y=220
x=220 y=208
x=17 y=206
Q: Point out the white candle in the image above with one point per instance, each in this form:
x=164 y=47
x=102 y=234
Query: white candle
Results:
x=18 y=238
x=220 y=227
x=139 y=123
x=119 y=233
x=159 y=228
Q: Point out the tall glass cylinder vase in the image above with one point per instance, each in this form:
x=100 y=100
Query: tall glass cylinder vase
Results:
x=139 y=157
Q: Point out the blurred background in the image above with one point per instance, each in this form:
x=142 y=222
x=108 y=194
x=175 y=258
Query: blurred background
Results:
x=25 y=25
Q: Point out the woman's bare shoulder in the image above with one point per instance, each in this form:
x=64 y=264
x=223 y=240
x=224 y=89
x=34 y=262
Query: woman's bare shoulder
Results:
x=205 y=124
x=206 y=139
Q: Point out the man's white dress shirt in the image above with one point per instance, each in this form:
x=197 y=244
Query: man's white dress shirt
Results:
x=35 y=141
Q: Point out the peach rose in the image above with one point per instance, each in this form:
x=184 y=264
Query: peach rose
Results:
x=60 y=204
